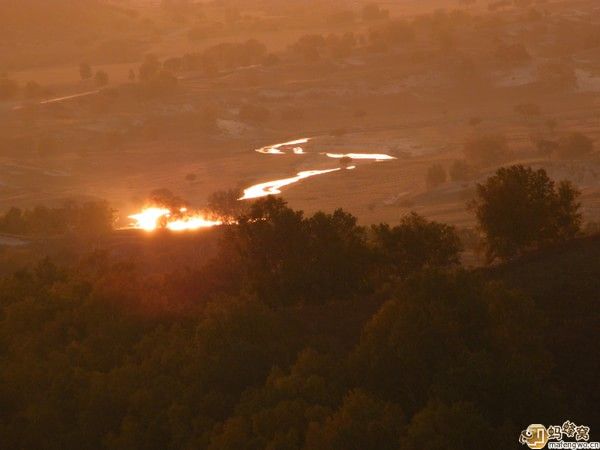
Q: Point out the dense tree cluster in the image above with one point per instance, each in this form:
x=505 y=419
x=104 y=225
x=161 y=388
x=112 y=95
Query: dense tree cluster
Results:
x=312 y=47
x=281 y=256
x=224 y=56
x=302 y=332
x=449 y=352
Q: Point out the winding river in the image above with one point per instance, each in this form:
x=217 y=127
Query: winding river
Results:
x=296 y=147
x=152 y=218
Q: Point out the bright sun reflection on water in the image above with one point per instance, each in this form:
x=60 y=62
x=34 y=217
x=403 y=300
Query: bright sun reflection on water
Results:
x=276 y=148
x=371 y=156
x=296 y=147
x=156 y=217
x=274 y=187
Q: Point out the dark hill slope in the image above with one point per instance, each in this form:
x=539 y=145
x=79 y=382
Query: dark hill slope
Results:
x=564 y=282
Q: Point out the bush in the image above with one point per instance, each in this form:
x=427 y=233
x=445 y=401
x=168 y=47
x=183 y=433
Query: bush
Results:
x=101 y=78
x=460 y=171
x=309 y=47
x=436 y=175
x=149 y=68
x=487 y=149
x=575 y=146
x=345 y=161
x=546 y=147
x=85 y=71
x=226 y=204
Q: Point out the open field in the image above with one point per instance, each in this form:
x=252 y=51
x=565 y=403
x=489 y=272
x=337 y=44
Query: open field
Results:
x=119 y=147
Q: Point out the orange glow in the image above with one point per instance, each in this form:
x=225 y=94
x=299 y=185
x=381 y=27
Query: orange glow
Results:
x=192 y=223
x=149 y=218
x=153 y=218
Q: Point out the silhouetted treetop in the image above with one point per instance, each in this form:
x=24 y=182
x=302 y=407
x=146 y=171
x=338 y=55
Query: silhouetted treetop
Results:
x=520 y=209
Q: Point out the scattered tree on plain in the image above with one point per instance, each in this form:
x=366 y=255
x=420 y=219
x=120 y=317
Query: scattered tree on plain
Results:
x=101 y=78
x=575 y=146
x=460 y=170
x=487 y=149
x=85 y=71
x=436 y=175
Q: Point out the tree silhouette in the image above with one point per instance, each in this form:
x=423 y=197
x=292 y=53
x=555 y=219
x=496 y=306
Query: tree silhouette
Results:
x=575 y=146
x=486 y=149
x=101 y=78
x=519 y=209
x=436 y=175
x=85 y=71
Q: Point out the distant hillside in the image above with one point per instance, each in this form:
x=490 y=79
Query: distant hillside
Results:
x=569 y=273
x=36 y=33
x=54 y=19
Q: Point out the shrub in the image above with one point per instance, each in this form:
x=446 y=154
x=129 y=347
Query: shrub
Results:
x=575 y=146
x=487 y=149
x=436 y=175
x=460 y=170
x=101 y=78
x=85 y=71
